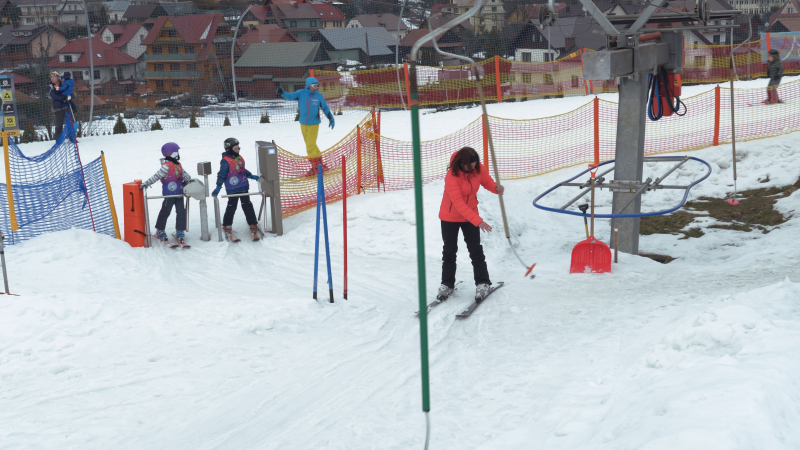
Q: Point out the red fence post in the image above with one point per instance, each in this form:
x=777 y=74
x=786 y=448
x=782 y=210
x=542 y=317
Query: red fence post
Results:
x=378 y=150
x=485 y=141
x=596 y=129
x=585 y=85
x=344 y=219
x=497 y=77
x=408 y=86
x=311 y=72
x=716 y=115
x=358 y=164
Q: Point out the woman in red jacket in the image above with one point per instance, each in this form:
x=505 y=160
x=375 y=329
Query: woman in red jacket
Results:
x=459 y=211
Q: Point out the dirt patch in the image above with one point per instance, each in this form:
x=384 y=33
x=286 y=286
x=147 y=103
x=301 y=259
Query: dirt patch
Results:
x=663 y=259
x=755 y=212
x=670 y=224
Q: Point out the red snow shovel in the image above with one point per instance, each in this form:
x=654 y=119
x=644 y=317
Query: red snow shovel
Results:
x=591 y=255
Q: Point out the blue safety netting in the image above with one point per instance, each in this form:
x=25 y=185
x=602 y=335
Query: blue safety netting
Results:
x=49 y=193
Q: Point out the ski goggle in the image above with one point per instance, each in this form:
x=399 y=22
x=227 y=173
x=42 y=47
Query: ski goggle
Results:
x=314 y=85
x=55 y=74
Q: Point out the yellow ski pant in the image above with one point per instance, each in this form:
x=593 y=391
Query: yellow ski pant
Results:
x=310 y=133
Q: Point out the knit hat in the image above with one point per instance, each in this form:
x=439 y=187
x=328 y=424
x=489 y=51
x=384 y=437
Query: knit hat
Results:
x=774 y=52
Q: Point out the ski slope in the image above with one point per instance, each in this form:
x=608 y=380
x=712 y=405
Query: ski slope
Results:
x=222 y=347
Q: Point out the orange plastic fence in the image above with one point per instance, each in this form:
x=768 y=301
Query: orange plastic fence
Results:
x=387 y=88
x=526 y=148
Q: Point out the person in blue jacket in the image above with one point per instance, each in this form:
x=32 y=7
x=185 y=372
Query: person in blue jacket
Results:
x=309 y=103
x=61 y=93
x=235 y=178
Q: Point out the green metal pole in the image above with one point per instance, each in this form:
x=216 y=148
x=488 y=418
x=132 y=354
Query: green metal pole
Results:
x=423 y=304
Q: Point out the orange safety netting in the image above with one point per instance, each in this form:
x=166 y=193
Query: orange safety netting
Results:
x=387 y=88
x=526 y=148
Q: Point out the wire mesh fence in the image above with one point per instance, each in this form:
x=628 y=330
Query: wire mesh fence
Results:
x=166 y=66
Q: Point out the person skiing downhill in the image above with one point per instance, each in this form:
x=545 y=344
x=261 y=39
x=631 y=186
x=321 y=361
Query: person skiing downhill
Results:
x=173 y=179
x=61 y=94
x=775 y=73
x=459 y=211
x=234 y=176
x=309 y=102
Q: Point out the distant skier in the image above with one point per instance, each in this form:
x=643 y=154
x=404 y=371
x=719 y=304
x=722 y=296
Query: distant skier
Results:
x=235 y=178
x=775 y=73
x=459 y=211
x=61 y=95
x=173 y=178
x=309 y=102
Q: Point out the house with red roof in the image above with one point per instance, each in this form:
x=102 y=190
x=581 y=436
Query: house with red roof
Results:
x=109 y=63
x=188 y=53
x=126 y=37
x=264 y=34
x=329 y=15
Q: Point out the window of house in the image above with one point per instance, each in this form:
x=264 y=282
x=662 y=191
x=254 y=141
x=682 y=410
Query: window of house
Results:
x=189 y=49
x=156 y=49
x=172 y=33
x=575 y=81
x=176 y=83
x=313 y=24
x=715 y=38
x=192 y=83
x=79 y=75
x=548 y=57
x=96 y=74
x=494 y=8
x=158 y=67
x=111 y=73
x=67 y=58
x=174 y=67
x=173 y=49
x=527 y=78
x=191 y=67
x=526 y=57
x=292 y=24
x=548 y=78
x=119 y=73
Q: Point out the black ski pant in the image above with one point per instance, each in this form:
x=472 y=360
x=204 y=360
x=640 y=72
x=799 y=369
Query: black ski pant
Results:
x=61 y=114
x=772 y=90
x=166 y=209
x=472 y=237
x=247 y=207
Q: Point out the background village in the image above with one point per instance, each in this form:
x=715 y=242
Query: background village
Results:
x=174 y=64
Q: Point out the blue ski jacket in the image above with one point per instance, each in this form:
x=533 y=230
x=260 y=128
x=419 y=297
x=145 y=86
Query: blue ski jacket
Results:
x=309 y=103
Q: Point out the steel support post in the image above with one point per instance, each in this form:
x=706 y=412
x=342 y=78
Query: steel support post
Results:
x=629 y=165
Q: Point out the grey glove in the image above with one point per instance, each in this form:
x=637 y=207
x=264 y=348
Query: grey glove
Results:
x=144 y=186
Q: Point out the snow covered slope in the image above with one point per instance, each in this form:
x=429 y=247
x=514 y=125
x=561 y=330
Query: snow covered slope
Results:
x=221 y=346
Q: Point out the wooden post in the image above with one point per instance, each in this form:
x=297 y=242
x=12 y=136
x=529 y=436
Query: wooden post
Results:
x=408 y=87
x=497 y=77
x=716 y=115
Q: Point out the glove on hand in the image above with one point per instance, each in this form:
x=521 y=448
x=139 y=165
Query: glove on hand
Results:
x=144 y=186
x=216 y=191
x=254 y=177
x=278 y=90
x=332 y=122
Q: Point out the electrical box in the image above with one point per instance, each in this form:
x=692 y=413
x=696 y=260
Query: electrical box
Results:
x=674 y=41
x=204 y=168
x=267 y=153
x=649 y=55
x=268 y=160
x=607 y=64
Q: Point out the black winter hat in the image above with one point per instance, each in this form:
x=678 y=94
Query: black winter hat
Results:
x=774 y=52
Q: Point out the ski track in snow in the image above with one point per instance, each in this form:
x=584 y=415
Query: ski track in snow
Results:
x=222 y=347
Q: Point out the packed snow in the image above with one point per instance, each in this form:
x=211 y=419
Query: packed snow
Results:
x=222 y=347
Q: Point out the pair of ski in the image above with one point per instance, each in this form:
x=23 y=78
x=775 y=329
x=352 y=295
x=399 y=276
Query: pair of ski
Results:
x=235 y=240
x=471 y=308
x=181 y=242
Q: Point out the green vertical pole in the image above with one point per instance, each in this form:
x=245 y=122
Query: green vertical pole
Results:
x=423 y=304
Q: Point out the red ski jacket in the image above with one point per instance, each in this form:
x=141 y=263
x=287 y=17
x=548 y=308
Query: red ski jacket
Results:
x=460 y=202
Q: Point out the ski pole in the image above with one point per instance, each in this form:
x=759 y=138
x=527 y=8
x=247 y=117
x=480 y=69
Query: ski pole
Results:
x=3 y=261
